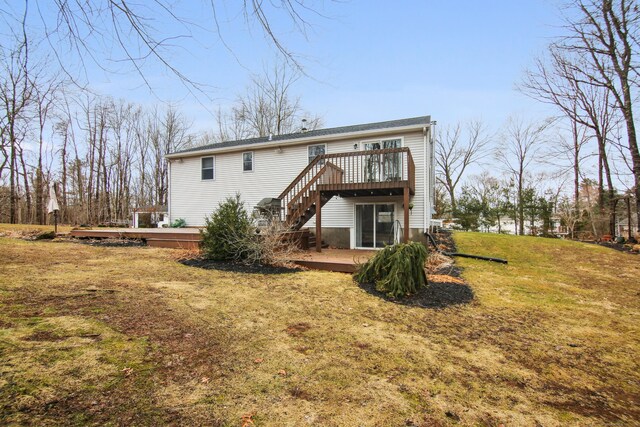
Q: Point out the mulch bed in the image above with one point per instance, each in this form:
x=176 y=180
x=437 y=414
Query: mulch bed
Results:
x=621 y=247
x=110 y=243
x=237 y=267
x=437 y=294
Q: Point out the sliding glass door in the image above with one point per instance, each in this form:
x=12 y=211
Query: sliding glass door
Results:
x=374 y=225
x=385 y=167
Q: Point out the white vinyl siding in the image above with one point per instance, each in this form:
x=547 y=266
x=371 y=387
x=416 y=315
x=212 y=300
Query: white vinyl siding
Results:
x=194 y=199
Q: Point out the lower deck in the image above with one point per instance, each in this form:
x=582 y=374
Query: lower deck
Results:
x=338 y=260
x=175 y=238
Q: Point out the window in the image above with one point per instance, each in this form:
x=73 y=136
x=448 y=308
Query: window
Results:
x=247 y=161
x=207 y=168
x=316 y=150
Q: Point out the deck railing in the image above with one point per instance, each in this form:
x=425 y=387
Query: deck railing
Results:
x=387 y=165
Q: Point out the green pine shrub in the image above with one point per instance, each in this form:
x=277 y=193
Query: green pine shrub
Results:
x=226 y=232
x=178 y=223
x=397 y=270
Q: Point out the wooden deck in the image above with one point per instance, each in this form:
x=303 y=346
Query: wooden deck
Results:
x=386 y=172
x=176 y=238
x=338 y=260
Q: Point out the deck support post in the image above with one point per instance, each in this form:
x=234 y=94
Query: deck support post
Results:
x=318 y=221
x=406 y=214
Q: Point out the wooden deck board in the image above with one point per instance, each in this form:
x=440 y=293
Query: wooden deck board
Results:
x=338 y=260
x=185 y=238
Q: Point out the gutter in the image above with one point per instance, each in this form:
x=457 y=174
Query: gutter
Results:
x=294 y=141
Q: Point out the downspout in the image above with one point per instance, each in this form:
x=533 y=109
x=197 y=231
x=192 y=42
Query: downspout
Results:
x=429 y=175
x=425 y=194
x=169 y=193
x=432 y=175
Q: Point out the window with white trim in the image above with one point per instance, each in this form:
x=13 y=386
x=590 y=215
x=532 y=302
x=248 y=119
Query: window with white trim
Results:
x=208 y=168
x=247 y=161
x=316 y=150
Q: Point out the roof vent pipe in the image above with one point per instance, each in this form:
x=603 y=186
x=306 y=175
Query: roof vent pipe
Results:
x=304 y=125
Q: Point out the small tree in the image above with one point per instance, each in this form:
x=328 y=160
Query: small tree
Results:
x=569 y=216
x=227 y=226
x=468 y=211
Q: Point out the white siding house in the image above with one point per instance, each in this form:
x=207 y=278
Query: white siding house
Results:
x=359 y=213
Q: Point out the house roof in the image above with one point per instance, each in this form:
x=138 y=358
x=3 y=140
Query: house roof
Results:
x=309 y=135
x=152 y=208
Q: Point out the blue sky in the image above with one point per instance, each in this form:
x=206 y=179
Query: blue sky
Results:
x=365 y=60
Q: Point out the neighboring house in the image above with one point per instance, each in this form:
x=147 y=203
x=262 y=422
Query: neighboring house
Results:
x=361 y=186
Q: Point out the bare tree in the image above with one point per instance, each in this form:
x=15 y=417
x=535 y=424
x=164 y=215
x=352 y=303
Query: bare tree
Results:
x=267 y=108
x=606 y=35
x=168 y=133
x=16 y=93
x=559 y=83
x=455 y=152
x=569 y=216
x=144 y=33
x=521 y=143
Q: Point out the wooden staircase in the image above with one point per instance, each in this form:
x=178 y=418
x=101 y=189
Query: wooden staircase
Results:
x=312 y=242
x=302 y=196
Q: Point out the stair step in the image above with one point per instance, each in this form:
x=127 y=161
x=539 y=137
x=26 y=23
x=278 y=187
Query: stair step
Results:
x=173 y=243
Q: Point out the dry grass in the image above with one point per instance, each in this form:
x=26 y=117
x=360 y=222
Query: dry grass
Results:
x=92 y=335
x=29 y=230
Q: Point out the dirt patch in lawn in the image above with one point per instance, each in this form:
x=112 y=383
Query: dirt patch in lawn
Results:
x=297 y=329
x=237 y=267
x=178 y=351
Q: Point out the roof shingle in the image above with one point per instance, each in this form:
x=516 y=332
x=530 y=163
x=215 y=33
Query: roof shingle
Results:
x=422 y=120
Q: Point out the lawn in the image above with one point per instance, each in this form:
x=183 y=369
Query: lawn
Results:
x=129 y=336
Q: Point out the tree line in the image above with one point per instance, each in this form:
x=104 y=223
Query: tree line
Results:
x=590 y=76
x=106 y=156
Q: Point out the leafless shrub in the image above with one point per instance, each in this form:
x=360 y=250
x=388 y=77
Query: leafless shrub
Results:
x=271 y=244
x=437 y=262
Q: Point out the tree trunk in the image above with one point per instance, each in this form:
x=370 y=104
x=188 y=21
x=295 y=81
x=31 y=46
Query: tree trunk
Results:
x=13 y=199
x=63 y=211
x=27 y=190
x=39 y=182
x=520 y=203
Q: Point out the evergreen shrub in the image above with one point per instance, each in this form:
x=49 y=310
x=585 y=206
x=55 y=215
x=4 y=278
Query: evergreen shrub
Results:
x=178 y=223
x=226 y=230
x=397 y=270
